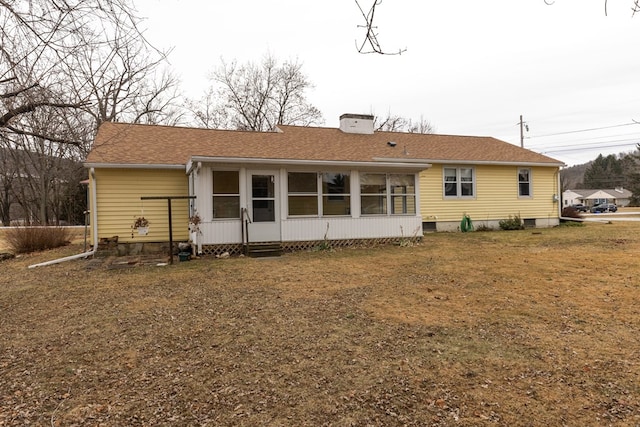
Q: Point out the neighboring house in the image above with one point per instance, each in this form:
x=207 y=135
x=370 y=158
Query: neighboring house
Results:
x=619 y=196
x=301 y=186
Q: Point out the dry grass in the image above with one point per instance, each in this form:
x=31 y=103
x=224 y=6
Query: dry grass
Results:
x=476 y=329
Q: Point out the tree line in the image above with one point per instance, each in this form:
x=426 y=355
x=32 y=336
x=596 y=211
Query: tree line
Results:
x=607 y=172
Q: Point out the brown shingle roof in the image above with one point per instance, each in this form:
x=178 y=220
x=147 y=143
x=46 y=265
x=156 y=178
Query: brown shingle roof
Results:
x=120 y=143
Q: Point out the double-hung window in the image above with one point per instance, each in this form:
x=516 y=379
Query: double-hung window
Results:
x=378 y=192
x=336 y=199
x=303 y=193
x=319 y=194
x=403 y=194
x=373 y=193
x=524 y=182
x=226 y=194
x=459 y=182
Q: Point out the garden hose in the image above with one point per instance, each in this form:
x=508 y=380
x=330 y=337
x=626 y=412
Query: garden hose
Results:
x=466 y=224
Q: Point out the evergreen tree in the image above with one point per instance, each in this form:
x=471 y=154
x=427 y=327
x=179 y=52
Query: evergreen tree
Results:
x=632 y=162
x=604 y=172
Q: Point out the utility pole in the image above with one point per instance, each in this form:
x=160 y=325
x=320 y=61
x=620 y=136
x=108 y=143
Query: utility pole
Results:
x=521 y=132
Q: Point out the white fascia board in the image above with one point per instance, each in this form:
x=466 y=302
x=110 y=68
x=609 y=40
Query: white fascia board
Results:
x=389 y=163
x=131 y=166
x=489 y=162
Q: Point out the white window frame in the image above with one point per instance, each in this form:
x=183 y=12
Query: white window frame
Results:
x=458 y=182
x=529 y=182
x=389 y=196
x=315 y=194
x=220 y=195
x=319 y=194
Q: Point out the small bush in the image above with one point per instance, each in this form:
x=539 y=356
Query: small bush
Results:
x=31 y=239
x=484 y=227
x=571 y=212
x=513 y=223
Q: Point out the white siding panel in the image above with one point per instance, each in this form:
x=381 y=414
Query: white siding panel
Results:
x=219 y=232
x=350 y=228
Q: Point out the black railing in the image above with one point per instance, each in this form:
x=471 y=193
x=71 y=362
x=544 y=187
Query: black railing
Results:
x=245 y=221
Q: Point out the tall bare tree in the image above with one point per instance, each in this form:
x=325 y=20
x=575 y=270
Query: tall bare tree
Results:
x=257 y=96
x=396 y=123
x=65 y=67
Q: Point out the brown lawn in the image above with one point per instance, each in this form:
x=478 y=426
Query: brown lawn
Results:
x=527 y=328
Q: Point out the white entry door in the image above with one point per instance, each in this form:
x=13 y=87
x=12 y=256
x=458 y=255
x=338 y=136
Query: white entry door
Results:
x=264 y=206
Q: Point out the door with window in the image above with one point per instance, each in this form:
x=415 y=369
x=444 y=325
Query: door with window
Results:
x=264 y=207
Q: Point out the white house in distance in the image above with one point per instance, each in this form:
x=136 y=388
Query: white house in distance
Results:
x=618 y=196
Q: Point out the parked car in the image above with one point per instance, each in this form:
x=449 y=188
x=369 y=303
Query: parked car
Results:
x=604 y=207
x=580 y=207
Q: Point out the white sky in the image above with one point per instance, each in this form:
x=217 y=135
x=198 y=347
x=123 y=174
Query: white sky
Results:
x=471 y=67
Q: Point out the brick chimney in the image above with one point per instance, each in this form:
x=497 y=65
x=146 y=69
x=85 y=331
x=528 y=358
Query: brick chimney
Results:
x=356 y=123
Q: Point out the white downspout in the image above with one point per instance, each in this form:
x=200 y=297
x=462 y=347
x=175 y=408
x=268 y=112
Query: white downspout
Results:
x=94 y=225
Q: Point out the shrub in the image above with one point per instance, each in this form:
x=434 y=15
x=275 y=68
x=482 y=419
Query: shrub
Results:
x=571 y=212
x=484 y=227
x=31 y=239
x=513 y=223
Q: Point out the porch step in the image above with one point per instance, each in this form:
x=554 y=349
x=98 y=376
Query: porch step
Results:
x=267 y=249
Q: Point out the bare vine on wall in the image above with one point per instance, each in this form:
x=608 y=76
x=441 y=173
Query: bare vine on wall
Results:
x=370 y=44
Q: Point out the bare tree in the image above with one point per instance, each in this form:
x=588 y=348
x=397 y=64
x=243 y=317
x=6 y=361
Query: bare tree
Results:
x=124 y=80
x=257 y=96
x=396 y=123
x=65 y=67
x=370 y=43
x=206 y=111
x=37 y=40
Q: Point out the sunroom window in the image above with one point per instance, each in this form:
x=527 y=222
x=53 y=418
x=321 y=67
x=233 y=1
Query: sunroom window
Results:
x=403 y=194
x=336 y=199
x=373 y=193
x=226 y=194
x=303 y=193
x=379 y=191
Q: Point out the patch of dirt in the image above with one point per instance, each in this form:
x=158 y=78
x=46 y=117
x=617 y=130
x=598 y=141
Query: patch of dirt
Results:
x=473 y=329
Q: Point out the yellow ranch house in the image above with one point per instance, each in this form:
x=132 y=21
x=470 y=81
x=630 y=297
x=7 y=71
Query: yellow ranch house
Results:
x=298 y=187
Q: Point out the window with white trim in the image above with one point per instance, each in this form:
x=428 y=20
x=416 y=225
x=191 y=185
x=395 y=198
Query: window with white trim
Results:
x=524 y=182
x=380 y=191
x=319 y=194
x=303 y=193
x=459 y=182
x=403 y=194
x=226 y=194
x=336 y=197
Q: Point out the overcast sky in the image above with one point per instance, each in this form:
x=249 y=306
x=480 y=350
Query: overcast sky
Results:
x=470 y=68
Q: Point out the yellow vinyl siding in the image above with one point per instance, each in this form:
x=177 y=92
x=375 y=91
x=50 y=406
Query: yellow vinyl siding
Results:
x=496 y=195
x=119 y=192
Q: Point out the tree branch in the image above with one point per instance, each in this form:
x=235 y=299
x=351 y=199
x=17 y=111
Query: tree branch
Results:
x=41 y=136
x=31 y=107
x=371 y=37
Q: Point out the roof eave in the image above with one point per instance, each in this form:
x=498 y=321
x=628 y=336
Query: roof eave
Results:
x=417 y=164
x=132 y=166
x=495 y=163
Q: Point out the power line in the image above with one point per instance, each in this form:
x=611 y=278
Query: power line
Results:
x=593 y=147
x=584 y=130
x=588 y=139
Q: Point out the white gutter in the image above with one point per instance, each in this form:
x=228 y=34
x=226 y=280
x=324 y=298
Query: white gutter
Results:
x=376 y=162
x=493 y=163
x=133 y=166
x=94 y=225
